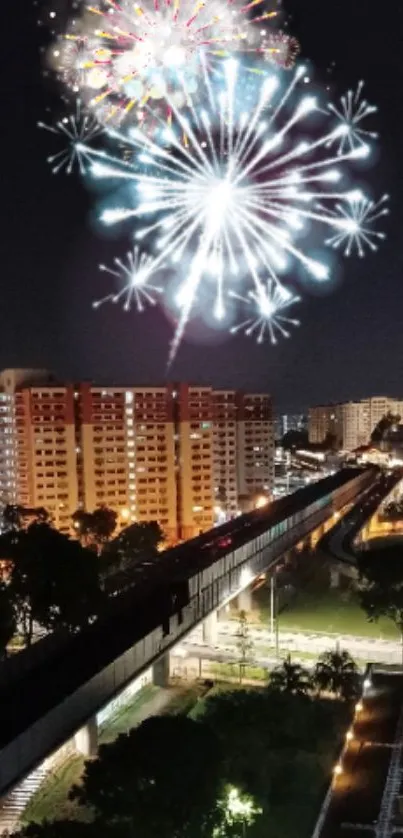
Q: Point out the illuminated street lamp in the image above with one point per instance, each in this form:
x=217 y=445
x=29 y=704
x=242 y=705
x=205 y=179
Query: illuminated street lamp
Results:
x=125 y=514
x=238 y=808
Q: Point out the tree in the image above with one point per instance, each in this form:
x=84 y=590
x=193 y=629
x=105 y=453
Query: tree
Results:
x=54 y=581
x=271 y=741
x=162 y=778
x=244 y=644
x=330 y=442
x=295 y=439
x=8 y=622
x=381 y=584
x=290 y=677
x=15 y=517
x=94 y=529
x=337 y=672
x=135 y=540
x=384 y=425
x=71 y=829
x=103 y=524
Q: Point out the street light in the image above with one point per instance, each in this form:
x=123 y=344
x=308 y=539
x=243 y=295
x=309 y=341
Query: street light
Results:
x=274 y=609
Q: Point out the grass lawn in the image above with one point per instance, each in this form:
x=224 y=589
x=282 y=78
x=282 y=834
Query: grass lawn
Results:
x=333 y=611
x=51 y=800
x=231 y=670
x=127 y=717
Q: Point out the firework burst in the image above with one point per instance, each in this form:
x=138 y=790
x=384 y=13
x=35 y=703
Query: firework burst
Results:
x=269 y=305
x=123 y=56
x=135 y=275
x=231 y=193
x=351 y=113
x=75 y=131
x=354 y=223
x=280 y=49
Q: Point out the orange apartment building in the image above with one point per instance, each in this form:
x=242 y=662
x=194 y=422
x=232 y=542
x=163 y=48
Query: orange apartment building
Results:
x=149 y=453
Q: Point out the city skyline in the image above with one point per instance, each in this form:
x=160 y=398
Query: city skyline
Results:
x=349 y=340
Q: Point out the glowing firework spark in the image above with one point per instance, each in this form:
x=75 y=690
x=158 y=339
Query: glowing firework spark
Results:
x=281 y=49
x=269 y=303
x=135 y=274
x=355 y=223
x=123 y=55
x=233 y=199
x=351 y=113
x=75 y=131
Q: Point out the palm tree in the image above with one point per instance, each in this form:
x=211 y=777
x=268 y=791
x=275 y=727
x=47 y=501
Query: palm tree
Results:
x=290 y=677
x=337 y=672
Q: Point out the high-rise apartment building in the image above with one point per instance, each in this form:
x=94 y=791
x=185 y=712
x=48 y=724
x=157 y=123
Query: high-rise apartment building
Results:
x=225 y=450
x=351 y=423
x=255 y=443
x=40 y=452
x=324 y=420
x=150 y=453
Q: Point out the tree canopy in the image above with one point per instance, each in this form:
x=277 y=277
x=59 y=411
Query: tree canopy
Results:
x=54 y=582
x=8 y=622
x=337 y=672
x=290 y=677
x=277 y=747
x=95 y=528
x=163 y=777
x=381 y=584
x=72 y=829
x=15 y=517
x=295 y=439
x=141 y=538
x=384 y=425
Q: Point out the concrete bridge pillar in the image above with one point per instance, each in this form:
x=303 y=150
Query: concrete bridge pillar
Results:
x=245 y=600
x=161 y=671
x=210 y=629
x=223 y=613
x=86 y=739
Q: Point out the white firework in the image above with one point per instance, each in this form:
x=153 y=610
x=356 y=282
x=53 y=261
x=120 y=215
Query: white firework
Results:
x=269 y=305
x=135 y=273
x=355 y=222
x=229 y=193
x=351 y=112
x=76 y=131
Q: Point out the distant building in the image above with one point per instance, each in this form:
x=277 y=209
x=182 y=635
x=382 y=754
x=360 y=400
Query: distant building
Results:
x=350 y=423
x=176 y=454
x=289 y=422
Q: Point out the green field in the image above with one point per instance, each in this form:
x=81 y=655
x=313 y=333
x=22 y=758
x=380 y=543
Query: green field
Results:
x=333 y=611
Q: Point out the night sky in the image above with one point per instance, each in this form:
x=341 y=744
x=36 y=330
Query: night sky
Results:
x=350 y=343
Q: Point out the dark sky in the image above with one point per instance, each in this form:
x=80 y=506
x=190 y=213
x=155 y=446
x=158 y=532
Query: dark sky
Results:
x=350 y=343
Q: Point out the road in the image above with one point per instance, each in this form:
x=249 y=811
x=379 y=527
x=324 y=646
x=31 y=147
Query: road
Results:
x=362 y=648
x=365 y=792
